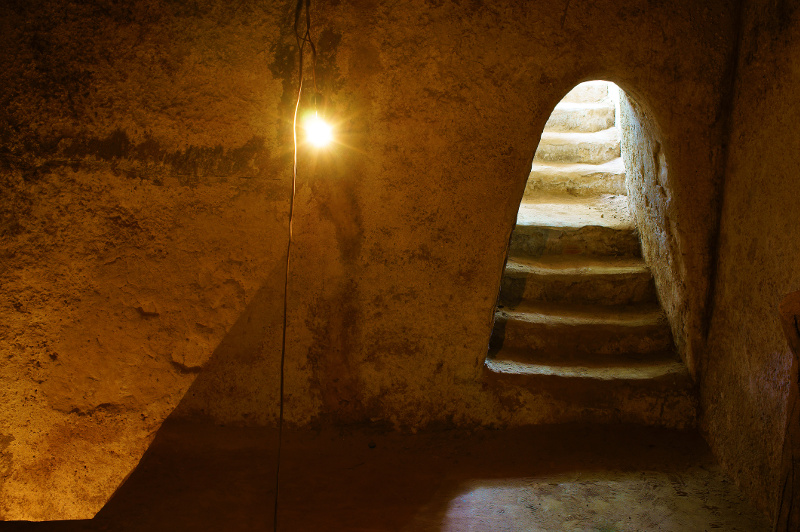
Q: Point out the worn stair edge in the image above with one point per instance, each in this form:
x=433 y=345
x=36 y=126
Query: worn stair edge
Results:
x=581 y=117
x=580 y=363
x=660 y=368
x=663 y=396
x=576 y=179
x=576 y=279
x=536 y=241
x=560 y=224
x=586 y=329
x=563 y=210
x=591 y=148
x=577 y=265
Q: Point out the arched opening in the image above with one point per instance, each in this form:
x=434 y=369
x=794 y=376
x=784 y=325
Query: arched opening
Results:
x=578 y=305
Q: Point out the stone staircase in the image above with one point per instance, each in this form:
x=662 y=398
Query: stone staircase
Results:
x=578 y=317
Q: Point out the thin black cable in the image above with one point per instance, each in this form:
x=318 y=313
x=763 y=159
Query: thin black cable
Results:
x=306 y=38
x=301 y=42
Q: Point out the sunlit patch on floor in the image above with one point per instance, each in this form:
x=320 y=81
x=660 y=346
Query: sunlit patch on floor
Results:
x=596 y=502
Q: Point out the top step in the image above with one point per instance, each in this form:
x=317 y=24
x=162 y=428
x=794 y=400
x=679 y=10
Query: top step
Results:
x=588 y=92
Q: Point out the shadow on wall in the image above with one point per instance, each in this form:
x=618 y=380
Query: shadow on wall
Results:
x=238 y=385
x=193 y=460
x=190 y=460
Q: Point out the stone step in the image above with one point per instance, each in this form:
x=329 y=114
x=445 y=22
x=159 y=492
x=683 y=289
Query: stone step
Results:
x=554 y=225
x=578 y=325
x=581 y=117
x=577 y=179
x=571 y=332
x=590 y=148
x=588 y=91
x=657 y=392
x=629 y=366
x=577 y=279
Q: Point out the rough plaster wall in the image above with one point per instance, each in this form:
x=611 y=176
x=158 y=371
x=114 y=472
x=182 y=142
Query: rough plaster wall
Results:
x=749 y=363
x=651 y=200
x=141 y=212
x=145 y=172
x=468 y=136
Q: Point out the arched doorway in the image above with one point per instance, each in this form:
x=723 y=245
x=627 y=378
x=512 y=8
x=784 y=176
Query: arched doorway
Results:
x=578 y=307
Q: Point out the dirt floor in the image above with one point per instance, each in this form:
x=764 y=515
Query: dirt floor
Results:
x=565 y=478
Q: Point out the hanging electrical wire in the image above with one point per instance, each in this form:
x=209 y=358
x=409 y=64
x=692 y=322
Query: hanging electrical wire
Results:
x=301 y=40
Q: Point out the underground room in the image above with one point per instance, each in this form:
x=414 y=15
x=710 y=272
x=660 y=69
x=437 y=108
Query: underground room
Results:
x=411 y=265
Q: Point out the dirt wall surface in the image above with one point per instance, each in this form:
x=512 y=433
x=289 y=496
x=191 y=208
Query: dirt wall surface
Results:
x=141 y=212
x=145 y=178
x=652 y=204
x=744 y=391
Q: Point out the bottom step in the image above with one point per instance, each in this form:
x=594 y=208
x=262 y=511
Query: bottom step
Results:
x=657 y=393
x=641 y=371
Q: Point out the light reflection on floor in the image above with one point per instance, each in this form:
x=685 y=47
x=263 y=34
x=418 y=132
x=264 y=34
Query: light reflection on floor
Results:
x=207 y=478
x=695 y=500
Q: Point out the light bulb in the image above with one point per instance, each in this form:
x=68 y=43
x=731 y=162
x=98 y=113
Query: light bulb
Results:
x=318 y=132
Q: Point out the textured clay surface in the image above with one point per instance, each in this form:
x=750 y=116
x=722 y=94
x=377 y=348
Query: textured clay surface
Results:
x=140 y=216
x=650 y=183
x=749 y=365
x=145 y=153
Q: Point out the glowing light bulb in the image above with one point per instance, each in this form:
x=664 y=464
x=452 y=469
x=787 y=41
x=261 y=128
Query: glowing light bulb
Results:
x=318 y=132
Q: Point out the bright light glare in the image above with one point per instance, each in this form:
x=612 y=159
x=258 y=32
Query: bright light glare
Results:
x=318 y=132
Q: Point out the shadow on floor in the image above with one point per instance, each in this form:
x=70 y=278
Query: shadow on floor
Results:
x=201 y=478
